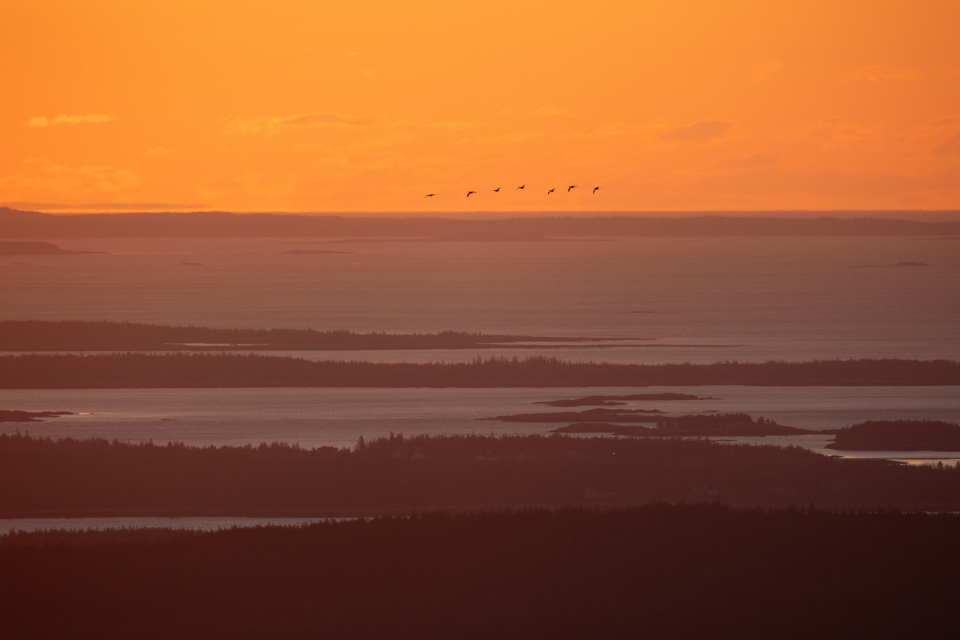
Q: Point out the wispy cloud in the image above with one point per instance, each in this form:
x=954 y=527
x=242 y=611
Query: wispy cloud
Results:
x=950 y=145
x=550 y=111
x=698 y=131
x=456 y=125
x=883 y=73
x=834 y=131
x=52 y=177
x=737 y=163
x=301 y=121
x=507 y=138
x=764 y=71
x=67 y=119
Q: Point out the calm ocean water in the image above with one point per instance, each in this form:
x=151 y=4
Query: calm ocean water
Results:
x=338 y=417
x=760 y=298
x=672 y=300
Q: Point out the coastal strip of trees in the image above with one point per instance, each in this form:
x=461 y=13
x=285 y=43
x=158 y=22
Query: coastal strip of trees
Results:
x=899 y=435
x=685 y=571
x=84 y=335
x=40 y=476
x=224 y=370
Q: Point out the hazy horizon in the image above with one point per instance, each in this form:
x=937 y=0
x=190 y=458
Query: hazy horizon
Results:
x=894 y=214
x=514 y=318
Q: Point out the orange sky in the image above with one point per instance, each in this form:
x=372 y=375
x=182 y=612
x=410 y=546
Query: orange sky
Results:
x=295 y=105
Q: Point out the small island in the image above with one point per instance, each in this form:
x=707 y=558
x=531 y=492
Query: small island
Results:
x=592 y=415
x=899 y=435
x=17 y=248
x=721 y=424
x=611 y=401
x=312 y=252
x=30 y=416
x=903 y=263
x=84 y=335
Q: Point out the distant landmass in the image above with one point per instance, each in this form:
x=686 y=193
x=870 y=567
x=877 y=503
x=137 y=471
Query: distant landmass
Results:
x=905 y=263
x=592 y=415
x=30 y=416
x=899 y=435
x=218 y=224
x=221 y=370
x=610 y=401
x=14 y=248
x=82 y=335
x=718 y=425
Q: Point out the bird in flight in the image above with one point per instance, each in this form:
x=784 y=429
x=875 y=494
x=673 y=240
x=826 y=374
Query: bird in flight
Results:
x=497 y=190
x=595 y=189
x=469 y=193
x=429 y=195
x=551 y=191
x=521 y=186
x=573 y=186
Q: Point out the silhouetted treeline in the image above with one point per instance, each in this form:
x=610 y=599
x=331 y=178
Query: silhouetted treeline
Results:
x=182 y=370
x=899 y=435
x=217 y=224
x=76 y=335
x=399 y=474
x=702 y=571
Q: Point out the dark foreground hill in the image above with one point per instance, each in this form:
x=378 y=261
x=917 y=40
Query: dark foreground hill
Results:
x=182 y=370
x=702 y=571
x=399 y=475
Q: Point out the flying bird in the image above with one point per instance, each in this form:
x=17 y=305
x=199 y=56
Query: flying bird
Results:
x=595 y=189
x=551 y=191
x=429 y=195
x=469 y=193
x=521 y=186
x=573 y=186
x=497 y=190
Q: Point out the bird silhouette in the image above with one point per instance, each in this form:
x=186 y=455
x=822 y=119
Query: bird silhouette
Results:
x=573 y=186
x=595 y=189
x=521 y=186
x=470 y=192
x=497 y=190
x=551 y=191
x=429 y=195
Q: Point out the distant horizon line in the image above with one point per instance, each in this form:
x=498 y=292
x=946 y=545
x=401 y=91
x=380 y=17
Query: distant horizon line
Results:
x=928 y=214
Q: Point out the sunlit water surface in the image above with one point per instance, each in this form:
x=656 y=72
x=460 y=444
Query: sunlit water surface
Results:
x=338 y=417
x=751 y=298
x=671 y=299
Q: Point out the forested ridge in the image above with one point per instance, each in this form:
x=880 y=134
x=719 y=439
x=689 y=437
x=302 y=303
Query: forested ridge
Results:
x=688 y=571
x=189 y=370
x=401 y=474
x=899 y=435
